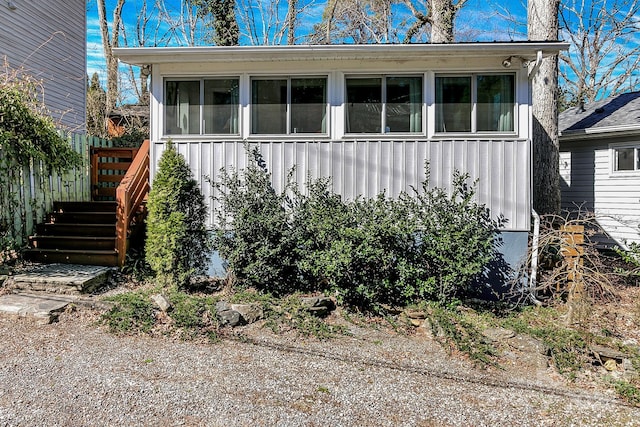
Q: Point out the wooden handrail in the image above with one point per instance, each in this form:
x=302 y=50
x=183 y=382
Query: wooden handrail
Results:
x=130 y=195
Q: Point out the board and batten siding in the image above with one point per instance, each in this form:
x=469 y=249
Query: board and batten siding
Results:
x=47 y=39
x=589 y=184
x=368 y=167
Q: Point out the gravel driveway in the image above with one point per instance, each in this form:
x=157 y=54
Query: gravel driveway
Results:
x=73 y=373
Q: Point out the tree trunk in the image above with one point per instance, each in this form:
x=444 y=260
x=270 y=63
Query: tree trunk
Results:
x=108 y=43
x=291 y=22
x=543 y=26
x=443 y=13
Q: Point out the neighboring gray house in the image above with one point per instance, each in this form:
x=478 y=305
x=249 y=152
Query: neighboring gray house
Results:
x=48 y=40
x=600 y=164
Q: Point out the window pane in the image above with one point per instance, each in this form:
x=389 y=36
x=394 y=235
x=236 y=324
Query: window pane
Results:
x=182 y=107
x=495 y=103
x=269 y=106
x=624 y=159
x=364 y=105
x=308 y=105
x=404 y=104
x=221 y=105
x=453 y=104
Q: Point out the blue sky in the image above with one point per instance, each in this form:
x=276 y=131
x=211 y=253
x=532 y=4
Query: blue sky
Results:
x=478 y=20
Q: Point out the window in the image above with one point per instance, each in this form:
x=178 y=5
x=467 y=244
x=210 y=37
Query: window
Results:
x=475 y=103
x=384 y=104
x=288 y=105
x=194 y=107
x=626 y=159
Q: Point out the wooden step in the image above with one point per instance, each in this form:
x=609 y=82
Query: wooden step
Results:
x=82 y=257
x=107 y=206
x=73 y=242
x=83 y=217
x=74 y=229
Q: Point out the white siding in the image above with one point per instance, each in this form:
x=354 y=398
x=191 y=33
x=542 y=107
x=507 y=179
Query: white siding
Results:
x=48 y=40
x=588 y=183
x=369 y=167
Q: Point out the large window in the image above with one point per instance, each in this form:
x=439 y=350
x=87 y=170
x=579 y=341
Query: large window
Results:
x=208 y=106
x=384 y=104
x=626 y=159
x=289 y=105
x=475 y=103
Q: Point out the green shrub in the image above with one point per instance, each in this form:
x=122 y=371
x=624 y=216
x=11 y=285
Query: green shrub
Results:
x=253 y=232
x=177 y=243
x=428 y=245
x=456 y=238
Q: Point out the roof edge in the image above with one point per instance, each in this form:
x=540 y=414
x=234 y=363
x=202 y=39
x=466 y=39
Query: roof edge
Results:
x=154 y=55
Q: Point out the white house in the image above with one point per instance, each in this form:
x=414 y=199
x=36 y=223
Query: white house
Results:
x=369 y=116
x=600 y=165
x=47 y=40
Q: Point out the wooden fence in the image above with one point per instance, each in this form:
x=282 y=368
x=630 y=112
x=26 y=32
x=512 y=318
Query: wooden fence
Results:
x=27 y=193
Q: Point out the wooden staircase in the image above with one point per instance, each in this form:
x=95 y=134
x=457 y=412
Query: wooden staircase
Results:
x=77 y=233
x=97 y=232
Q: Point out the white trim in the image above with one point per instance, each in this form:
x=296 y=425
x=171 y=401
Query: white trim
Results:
x=527 y=51
x=613 y=147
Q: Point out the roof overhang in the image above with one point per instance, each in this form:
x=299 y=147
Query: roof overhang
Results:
x=599 y=133
x=525 y=51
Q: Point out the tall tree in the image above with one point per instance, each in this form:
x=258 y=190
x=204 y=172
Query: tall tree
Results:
x=109 y=42
x=605 y=52
x=438 y=15
x=267 y=22
x=96 y=107
x=543 y=25
x=355 y=21
x=223 y=20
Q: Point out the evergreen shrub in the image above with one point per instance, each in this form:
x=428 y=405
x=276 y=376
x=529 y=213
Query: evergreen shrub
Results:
x=177 y=244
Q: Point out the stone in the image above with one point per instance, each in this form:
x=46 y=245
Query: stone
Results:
x=498 y=334
x=416 y=322
x=69 y=279
x=43 y=309
x=222 y=306
x=229 y=318
x=416 y=314
x=162 y=302
x=248 y=312
x=628 y=371
x=318 y=305
x=603 y=354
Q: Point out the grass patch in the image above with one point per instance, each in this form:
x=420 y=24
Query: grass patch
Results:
x=288 y=313
x=628 y=391
x=460 y=331
x=132 y=312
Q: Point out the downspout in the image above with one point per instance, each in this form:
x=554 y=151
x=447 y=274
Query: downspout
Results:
x=536 y=65
x=535 y=239
x=534 y=258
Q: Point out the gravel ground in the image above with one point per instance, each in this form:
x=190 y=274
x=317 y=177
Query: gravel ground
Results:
x=73 y=373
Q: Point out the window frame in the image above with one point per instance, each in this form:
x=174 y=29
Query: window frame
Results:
x=201 y=106
x=288 y=106
x=613 y=149
x=473 y=76
x=384 y=102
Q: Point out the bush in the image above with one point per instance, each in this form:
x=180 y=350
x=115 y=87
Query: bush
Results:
x=177 y=244
x=423 y=246
x=27 y=131
x=253 y=232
